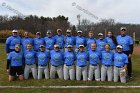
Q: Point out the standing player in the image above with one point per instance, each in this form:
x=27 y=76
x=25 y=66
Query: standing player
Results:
x=43 y=60
x=81 y=63
x=59 y=39
x=120 y=64
x=12 y=41
x=80 y=40
x=49 y=41
x=94 y=59
x=57 y=62
x=38 y=41
x=90 y=40
x=127 y=44
x=107 y=64
x=111 y=40
x=26 y=40
x=100 y=42
x=69 y=39
x=29 y=57
x=69 y=57
x=15 y=63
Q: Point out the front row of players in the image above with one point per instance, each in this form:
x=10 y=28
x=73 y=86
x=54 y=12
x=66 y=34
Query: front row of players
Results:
x=107 y=65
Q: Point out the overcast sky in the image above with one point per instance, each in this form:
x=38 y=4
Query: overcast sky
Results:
x=125 y=11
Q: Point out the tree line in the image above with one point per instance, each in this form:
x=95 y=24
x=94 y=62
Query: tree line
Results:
x=33 y=24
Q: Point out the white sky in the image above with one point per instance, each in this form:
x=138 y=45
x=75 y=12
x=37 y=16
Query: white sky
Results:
x=125 y=11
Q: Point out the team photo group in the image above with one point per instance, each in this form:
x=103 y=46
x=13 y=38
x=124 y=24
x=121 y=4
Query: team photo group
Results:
x=70 y=57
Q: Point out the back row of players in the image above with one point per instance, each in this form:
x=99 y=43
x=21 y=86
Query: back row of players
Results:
x=59 y=42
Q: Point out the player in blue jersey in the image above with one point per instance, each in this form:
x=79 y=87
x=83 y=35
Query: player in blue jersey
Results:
x=43 y=61
x=12 y=41
x=81 y=63
x=80 y=40
x=107 y=64
x=90 y=40
x=49 y=41
x=38 y=41
x=29 y=57
x=69 y=57
x=101 y=42
x=127 y=42
x=26 y=40
x=69 y=39
x=57 y=62
x=94 y=60
x=59 y=39
x=111 y=40
x=15 y=63
x=120 y=64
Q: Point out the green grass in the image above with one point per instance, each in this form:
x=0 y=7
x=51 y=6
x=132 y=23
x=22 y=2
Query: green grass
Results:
x=56 y=82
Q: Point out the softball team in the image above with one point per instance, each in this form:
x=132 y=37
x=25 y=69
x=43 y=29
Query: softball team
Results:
x=70 y=57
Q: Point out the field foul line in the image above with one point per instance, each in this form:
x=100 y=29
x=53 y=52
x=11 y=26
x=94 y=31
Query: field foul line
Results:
x=66 y=87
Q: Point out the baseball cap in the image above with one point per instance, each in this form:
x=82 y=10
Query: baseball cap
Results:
x=81 y=45
x=69 y=46
x=79 y=31
x=56 y=46
x=119 y=46
x=49 y=31
x=14 y=31
x=41 y=46
x=68 y=30
x=100 y=34
x=123 y=28
x=38 y=33
x=17 y=46
x=59 y=30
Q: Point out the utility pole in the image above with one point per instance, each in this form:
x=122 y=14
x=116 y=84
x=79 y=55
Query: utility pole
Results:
x=79 y=20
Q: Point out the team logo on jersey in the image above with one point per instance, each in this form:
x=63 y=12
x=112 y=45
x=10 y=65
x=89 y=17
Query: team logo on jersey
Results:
x=93 y=56
x=118 y=59
x=107 y=56
x=29 y=56
x=15 y=41
x=42 y=57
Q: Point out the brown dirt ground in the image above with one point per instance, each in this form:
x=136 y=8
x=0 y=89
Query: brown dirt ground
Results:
x=137 y=49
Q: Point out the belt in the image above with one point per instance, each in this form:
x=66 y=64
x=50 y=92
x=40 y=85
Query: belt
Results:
x=43 y=65
x=68 y=65
x=54 y=66
x=29 y=64
x=119 y=66
x=107 y=65
x=93 y=64
x=82 y=66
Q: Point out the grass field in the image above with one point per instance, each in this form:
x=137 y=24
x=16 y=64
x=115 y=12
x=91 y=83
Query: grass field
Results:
x=135 y=81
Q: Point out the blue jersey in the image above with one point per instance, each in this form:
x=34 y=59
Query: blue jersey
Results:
x=16 y=58
x=69 y=40
x=25 y=41
x=101 y=44
x=59 y=39
x=43 y=57
x=89 y=42
x=29 y=57
x=80 y=40
x=11 y=42
x=125 y=41
x=82 y=58
x=111 y=43
x=49 y=42
x=69 y=57
x=107 y=57
x=38 y=42
x=120 y=59
x=94 y=57
x=57 y=58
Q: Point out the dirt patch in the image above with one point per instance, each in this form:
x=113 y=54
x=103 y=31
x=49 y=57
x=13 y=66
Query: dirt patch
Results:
x=137 y=49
